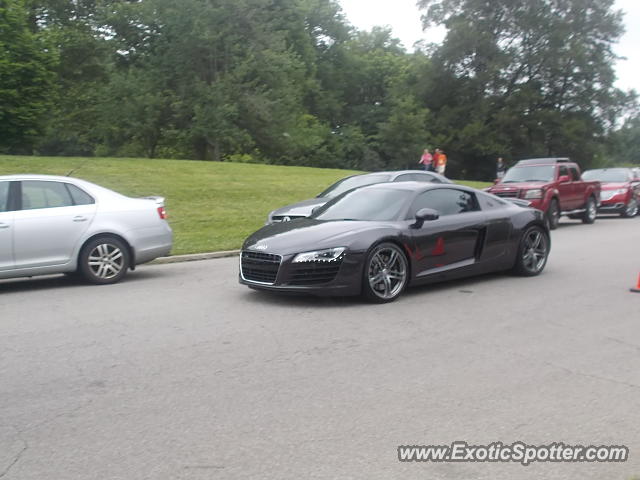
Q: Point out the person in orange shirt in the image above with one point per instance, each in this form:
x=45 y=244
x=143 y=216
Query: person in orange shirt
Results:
x=440 y=161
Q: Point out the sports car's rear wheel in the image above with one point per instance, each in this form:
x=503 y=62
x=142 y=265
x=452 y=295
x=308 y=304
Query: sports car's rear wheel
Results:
x=532 y=252
x=104 y=260
x=385 y=274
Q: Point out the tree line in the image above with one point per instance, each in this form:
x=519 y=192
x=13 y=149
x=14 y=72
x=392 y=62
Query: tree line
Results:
x=292 y=82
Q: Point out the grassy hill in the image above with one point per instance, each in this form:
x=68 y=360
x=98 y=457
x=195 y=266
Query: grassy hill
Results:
x=211 y=205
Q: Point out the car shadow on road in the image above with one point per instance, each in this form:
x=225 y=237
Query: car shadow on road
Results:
x=463 y=286
x=614 y=217
x=48 y=282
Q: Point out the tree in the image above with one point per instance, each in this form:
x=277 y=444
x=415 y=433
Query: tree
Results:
x=624 y=145
x=525 y=77
x=27 y=78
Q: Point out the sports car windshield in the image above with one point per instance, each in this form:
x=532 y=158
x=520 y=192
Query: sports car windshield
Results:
x=346 y=184
x=616 y=176
x=534 y=173
x=368 y=205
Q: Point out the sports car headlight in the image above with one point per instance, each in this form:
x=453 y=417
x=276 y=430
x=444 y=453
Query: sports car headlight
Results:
x=535 y=193
x=327 y=255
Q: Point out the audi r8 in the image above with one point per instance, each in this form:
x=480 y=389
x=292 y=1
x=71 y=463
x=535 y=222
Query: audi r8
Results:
x=379 y=239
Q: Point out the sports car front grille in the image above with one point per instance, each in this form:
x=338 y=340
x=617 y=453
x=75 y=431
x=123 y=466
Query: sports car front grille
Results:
x=511 y=194
x=259 y=267
x=313 y=273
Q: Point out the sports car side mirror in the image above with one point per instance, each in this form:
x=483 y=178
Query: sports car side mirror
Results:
x=564 y=179
x=425 y=215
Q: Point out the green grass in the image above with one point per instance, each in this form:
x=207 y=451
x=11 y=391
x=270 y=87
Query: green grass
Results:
x=211 y=205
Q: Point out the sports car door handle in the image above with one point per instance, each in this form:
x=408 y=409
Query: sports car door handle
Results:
x=3 y=226
x=79 y=219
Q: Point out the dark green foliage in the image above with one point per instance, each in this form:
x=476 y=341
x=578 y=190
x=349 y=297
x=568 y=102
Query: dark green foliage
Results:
x=291 y=82
x=520 y=78
x=27 y=79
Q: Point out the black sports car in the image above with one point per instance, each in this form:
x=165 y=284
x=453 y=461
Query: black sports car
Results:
x=376 y=240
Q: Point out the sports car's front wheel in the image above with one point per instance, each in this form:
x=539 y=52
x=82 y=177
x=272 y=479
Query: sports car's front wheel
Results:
x=386 y=273
x=532 y=252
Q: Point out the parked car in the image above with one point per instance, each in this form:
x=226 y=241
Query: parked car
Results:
x=377 y=240
x=620 y=191
x=304 y=208
x=553 y=185
x=65 y=225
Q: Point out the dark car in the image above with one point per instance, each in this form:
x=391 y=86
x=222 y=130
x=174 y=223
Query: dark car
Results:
x=620 y=190
x=376 y=240
x=305 y=207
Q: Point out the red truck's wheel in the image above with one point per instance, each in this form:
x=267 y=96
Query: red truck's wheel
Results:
x=553 y=214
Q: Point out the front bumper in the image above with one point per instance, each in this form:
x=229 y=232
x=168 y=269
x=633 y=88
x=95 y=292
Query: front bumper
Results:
x=309 y=278
x=612 y=207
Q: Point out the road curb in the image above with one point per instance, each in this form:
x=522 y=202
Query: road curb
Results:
x=194 y=257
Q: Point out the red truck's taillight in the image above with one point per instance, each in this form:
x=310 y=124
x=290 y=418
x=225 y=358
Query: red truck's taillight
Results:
x=162 y=212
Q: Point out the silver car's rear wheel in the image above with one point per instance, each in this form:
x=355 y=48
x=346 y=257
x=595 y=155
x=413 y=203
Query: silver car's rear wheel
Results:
x=386 y=273
x=104 y=260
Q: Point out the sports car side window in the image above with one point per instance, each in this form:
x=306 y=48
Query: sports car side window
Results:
x=446 y=201
x=487 y=202
x=43 y=194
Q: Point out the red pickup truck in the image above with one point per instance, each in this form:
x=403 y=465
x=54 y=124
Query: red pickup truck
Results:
x=553 y=185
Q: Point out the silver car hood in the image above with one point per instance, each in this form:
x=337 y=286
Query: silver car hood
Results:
x=300 y=209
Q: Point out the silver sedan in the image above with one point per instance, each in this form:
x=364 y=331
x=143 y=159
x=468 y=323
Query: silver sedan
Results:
x=65 y=225
x=306 y=207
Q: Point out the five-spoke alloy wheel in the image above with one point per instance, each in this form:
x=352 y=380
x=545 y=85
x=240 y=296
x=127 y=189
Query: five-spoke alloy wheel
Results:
x=386 y=273
x=533 y=252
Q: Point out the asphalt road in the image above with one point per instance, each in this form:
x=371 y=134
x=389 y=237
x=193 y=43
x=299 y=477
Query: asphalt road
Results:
x=181 y=373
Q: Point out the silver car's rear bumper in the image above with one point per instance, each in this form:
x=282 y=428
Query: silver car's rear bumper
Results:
x=151 y=243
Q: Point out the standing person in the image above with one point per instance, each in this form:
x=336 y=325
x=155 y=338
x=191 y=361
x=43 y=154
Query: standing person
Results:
x=501 y=168
x=440 y=161
x=426 y=160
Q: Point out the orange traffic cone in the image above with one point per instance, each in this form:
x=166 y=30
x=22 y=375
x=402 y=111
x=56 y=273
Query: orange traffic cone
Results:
x=637 y=287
